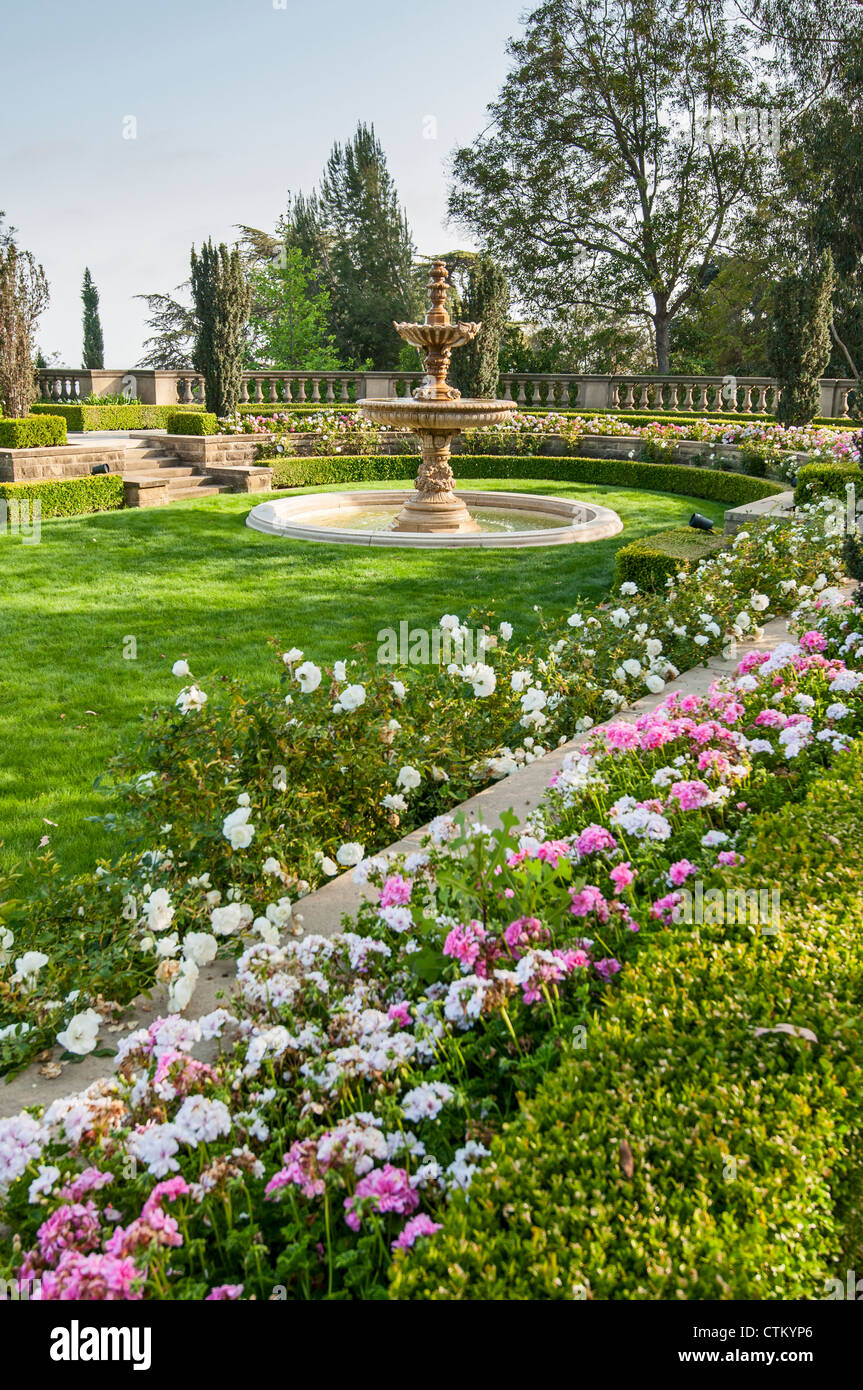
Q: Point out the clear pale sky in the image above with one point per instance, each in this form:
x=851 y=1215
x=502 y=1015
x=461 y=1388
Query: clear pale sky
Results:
x=235 y=103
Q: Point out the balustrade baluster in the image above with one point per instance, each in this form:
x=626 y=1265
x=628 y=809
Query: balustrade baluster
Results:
x=301 y=397
x=244 y=392
x=522 y=396
x=259 y=392
x=507 y=388
x=330 y=393
x=316 y=389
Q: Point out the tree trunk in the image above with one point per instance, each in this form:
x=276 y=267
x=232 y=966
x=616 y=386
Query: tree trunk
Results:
x=662 y=325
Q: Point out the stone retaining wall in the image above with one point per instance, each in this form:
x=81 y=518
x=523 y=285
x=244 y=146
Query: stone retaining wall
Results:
x=58 y=461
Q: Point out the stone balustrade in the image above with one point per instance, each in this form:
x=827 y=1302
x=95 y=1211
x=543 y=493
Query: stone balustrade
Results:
x=535 y=390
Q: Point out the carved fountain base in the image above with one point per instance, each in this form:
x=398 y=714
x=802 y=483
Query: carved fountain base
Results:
x=434 y=507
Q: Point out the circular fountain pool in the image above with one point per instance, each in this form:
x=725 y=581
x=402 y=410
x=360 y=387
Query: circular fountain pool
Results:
x=506 y=519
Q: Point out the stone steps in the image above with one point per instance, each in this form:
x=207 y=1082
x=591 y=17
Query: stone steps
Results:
x=151 y=464
x=205 y=490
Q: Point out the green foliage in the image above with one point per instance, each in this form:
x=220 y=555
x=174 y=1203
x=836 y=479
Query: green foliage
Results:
x=852 y=555
x=94 y=347
x=557 y=184
x=816 y=480
x=733 y=488
x=183 y=422
x=33 y=432
x=100 y=492
x=172 y=331
x=736 y=1143
x=23 y=297
x=290 y=314
x=368 y=270
x=653 y=559
x=723 y=330
x=474 y=367
x=799 y=339
x=82 y=418
x=222 y=300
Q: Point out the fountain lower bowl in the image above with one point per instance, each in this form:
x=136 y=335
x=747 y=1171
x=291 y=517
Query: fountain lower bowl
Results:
x=328 y=517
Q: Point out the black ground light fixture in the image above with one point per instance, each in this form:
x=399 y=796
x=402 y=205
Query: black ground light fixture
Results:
x=100 y=468
x=701 y=523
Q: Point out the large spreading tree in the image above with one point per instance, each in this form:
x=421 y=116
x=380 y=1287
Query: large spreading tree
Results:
x=596 y=184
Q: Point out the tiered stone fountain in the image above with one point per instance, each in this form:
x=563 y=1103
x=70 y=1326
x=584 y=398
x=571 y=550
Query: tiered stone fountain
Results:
x=437 y=413
x=433 y=514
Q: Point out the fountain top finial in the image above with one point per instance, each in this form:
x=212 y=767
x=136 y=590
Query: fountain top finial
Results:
x=438 y=287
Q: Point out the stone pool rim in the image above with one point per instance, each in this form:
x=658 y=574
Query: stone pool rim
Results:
x=580 y=521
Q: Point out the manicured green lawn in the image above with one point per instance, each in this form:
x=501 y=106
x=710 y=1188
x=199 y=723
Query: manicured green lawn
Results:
x=192 y=580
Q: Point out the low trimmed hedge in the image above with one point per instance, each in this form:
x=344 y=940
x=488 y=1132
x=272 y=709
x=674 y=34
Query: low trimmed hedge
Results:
x=80 y=419
x=294 y=408
x=182 y=422
x=33 y=432
x=817 y=480
x=746 y=1150
x=100 y=492
x=648 y=562
x=733 y=488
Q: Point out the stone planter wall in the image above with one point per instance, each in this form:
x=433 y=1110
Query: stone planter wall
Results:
x=57 y=461
x=200 y=451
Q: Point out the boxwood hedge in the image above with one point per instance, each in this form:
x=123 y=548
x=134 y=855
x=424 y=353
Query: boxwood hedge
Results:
x=184 y=422
x=82 y=418
x=733 y=488
x=816 y=480
x=745 y=1174
x=648 y=562
x=33 y=432
x=100 y=492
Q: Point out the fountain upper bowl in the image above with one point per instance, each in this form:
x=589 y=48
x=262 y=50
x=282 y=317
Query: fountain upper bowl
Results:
x=443 y=416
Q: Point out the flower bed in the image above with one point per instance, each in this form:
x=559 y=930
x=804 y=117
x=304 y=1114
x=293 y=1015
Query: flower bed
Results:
x=256 y=795
x=714 y=1115
x=364 y=1079
x=764 y=446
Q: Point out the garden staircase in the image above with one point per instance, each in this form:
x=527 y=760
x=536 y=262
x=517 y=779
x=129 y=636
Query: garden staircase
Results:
x=152 y=464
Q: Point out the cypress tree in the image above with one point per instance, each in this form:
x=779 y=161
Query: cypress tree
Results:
x=799 y=339
x=94 y=347
x=222 y=301
x=475 y=367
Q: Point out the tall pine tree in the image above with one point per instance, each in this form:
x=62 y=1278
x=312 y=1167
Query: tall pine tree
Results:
x=222 y=301
x=365 y=249
x=94 y=347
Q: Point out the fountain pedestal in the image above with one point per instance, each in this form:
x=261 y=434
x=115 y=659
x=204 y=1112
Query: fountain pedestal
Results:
x=436 y=412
